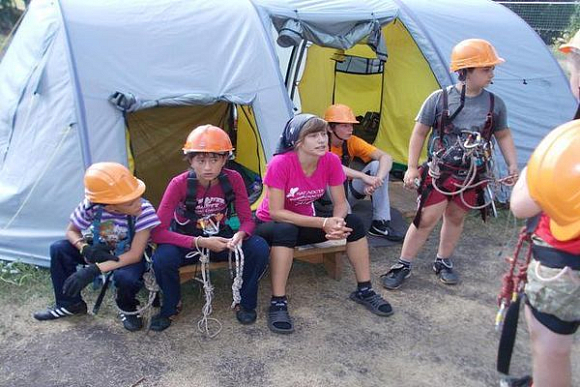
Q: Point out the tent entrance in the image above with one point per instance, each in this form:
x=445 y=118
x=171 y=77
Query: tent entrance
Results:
x=358 y=83
x=156 y=137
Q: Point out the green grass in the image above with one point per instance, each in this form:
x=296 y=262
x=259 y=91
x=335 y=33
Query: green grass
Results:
x=20 y=281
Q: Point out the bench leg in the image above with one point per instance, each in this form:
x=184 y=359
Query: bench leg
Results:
x=333 y=265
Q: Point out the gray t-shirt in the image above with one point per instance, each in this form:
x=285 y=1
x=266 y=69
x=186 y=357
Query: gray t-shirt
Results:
x=472 y=117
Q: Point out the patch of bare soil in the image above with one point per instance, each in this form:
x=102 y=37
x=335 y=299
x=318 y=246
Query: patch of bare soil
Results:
x=438 y=336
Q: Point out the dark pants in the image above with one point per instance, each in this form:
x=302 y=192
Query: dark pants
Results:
x=168 y=258
x=290 y=235
x=64 y=258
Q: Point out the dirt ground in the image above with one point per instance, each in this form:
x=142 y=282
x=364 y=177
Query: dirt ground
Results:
x=439 y=335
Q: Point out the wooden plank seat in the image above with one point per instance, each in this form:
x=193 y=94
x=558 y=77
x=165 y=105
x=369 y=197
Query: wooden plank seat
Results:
x=330 y=257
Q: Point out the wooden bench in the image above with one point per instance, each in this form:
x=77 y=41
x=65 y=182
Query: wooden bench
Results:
x=330 y=257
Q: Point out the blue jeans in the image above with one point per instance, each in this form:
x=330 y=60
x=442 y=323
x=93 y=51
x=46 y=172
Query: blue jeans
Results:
x=64 y=258
x=168 y=258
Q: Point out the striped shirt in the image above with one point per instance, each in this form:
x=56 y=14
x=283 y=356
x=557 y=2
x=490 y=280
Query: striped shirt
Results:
x=114 y=227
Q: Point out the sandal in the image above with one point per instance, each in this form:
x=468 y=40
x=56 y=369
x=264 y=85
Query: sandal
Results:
x=375 y=303
x=279 y=321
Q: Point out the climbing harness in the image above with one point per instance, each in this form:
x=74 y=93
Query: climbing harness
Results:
x=192 y=224
x=120 y=248
x=468 y=161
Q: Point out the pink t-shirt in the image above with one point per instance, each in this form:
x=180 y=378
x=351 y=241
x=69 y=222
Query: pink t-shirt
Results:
x=285 y=173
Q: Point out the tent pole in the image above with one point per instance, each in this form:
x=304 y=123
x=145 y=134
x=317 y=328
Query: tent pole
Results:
x=297 y=69
x=289 y=68
x=79 y=101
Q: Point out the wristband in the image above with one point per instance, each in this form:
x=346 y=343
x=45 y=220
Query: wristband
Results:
x=324 y=223
x=78 y=240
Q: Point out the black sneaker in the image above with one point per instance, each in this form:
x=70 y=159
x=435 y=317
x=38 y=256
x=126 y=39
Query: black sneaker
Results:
x=394 y=278
x=526 y=381
x=159 y=323
x=131 y=322
x=57 y=312
x=246 y=317
x=383 y=229
x=444 y=270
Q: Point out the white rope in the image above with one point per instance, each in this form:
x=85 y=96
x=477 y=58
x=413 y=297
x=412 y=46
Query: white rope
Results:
x=573 y=276
x=238 y=281
x=203 y=323
x=177 y=220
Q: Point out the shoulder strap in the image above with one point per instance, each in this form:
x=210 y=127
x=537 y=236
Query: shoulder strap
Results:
x=444 y=114
x=345 y=159
x=488 y=126
x=532 y=223
x=191 y=197
x=227 y=188
x=97 y=224
x=577 y=115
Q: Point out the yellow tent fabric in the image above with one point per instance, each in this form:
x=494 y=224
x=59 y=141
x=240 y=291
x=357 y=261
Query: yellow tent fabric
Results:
x=407 y=81
x=250 y=152
x=157 y=136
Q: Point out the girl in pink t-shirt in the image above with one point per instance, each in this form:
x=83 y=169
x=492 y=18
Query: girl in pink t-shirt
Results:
x=297 y=176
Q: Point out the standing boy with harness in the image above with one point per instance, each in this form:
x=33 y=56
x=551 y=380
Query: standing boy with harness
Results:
x=464 y=117
x=194 y=213
x=373 y=180
x=108 y=231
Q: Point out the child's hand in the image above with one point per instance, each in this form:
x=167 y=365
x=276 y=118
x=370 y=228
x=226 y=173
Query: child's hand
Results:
x=98 y=254
x=236 y=240
x=79 y=280
x=409 y=178
x=215 y=244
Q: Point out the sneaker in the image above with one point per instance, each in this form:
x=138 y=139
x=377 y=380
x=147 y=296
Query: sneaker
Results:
x=444 y=270
x=57 y=312
x=246 y=317
x=159 y=323
x=394 y=278
x=373 y=302
x=383 y=229
x=526 y=381
x=131 y=322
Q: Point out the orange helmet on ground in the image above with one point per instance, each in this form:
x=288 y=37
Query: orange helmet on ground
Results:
x=554 y=179
x=572 y=45
x=209 y=139
x=111 y=183
x=474 y=53
x=340 y=114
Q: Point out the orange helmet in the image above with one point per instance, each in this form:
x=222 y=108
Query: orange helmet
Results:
x=340 y=114
x=572 y=45
x=209 y=139
x=474 y=53
x=111 y=183
x=554 y=179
